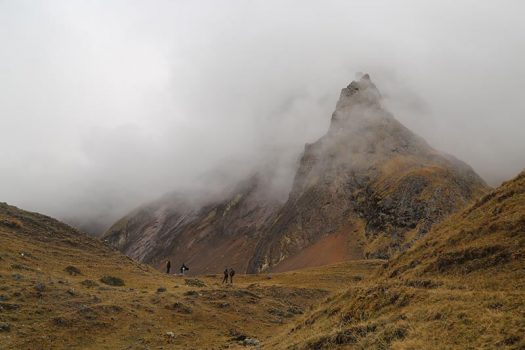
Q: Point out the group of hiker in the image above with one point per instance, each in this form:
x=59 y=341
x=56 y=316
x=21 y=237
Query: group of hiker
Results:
x=183 y=268
x=228 y=273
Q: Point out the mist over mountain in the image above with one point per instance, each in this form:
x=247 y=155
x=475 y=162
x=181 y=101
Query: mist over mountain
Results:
x=264 y=174
x=368 y=188
x=106 y=106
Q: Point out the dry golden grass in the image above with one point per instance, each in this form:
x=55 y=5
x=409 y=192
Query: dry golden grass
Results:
x=52 y=296
x=460 y=287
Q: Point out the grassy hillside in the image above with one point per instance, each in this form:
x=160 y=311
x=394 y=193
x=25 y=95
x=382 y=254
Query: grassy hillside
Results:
x=54 y=295
x=460 y=287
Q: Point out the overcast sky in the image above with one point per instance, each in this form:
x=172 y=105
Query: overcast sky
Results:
x=106 y=104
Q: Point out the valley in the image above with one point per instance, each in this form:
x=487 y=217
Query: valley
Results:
x=54 y=295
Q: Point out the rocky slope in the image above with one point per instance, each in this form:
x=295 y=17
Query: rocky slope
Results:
x=368 y=188
x=206 y=233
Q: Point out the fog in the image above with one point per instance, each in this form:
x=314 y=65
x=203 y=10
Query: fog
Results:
x=107 y=104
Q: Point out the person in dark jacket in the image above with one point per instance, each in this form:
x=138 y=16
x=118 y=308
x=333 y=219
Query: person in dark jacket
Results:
x=168 y=266
x=232 y=273
x=183 y=269
x=225 y=279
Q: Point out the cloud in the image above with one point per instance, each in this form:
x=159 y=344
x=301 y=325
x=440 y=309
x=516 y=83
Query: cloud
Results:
x=105 y=105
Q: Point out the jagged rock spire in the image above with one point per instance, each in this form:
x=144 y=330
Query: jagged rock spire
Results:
x=359 y=92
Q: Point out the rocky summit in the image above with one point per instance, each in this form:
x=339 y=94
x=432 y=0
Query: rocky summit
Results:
x=368 y=188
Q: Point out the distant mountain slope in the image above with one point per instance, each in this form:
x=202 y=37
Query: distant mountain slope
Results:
x=368 y=188
x=207 y=234
x=461 y=286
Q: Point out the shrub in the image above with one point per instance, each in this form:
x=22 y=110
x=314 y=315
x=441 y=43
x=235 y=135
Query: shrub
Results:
x=10 y=222
x=112 y=281
x=89 y=283
x=72 y=270
x=193 y=282
x=180 y=308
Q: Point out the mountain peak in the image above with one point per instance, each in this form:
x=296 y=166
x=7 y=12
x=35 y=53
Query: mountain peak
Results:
x=360 y=91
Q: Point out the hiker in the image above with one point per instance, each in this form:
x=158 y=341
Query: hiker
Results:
x=183 y=269
x=232 y=273
x=225 y=279
x=168 y=266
